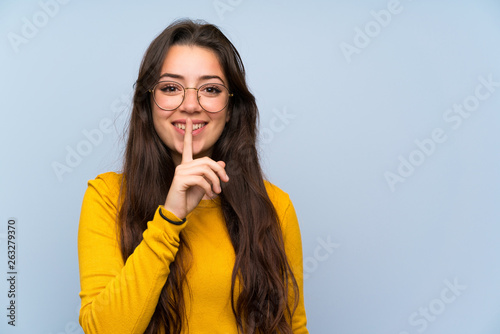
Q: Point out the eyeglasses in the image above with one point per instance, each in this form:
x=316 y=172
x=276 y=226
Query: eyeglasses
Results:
x=169 y=95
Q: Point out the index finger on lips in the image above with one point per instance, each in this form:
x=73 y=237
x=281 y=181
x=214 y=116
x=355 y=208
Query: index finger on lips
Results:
x=187 y=151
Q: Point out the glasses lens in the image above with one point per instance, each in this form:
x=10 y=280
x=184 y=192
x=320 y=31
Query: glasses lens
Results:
x=168 y=95
x=213 y=97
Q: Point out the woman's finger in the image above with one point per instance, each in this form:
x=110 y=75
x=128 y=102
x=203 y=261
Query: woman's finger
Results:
x=204 y=170
x=217 y=167
x=187 y=150
x=202 y=182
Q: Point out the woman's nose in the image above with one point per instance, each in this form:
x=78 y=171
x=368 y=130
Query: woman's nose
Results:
x=190 y=103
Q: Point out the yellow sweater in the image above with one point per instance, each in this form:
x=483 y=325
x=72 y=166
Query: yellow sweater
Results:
x=120 y=298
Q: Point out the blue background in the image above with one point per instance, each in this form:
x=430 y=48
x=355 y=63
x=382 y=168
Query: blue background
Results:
x=379 y=259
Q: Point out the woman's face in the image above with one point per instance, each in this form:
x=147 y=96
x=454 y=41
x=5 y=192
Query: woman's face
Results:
x=191 y=66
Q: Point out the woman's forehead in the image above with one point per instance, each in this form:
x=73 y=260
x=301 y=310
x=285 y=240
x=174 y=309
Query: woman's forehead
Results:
x=192 y=63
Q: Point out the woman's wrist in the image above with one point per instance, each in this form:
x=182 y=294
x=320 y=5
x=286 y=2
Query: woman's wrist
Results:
x=171 y=217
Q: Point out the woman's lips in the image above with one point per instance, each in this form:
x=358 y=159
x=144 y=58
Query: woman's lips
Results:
x=197 y=127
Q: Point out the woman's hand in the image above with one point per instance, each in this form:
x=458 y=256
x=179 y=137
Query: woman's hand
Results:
x=193 y=179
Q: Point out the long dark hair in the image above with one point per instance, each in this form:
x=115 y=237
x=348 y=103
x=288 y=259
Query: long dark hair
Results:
x=267 y=286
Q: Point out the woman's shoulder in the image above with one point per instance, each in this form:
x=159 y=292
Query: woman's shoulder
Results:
x=107 y=183
x=278 y=197
x=283 y=206
x=110 y=176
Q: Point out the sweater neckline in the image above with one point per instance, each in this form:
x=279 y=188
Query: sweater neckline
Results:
x=209 y=203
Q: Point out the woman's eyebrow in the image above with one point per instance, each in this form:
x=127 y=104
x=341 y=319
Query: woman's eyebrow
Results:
x=171 y=75
x=178 y=76
x=208 y=77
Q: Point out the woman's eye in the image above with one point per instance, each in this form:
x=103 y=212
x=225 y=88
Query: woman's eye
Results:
x=212 y=90
x=170 y=89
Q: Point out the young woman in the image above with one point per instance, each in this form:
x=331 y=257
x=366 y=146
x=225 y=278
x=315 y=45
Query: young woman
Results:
x=190 y=238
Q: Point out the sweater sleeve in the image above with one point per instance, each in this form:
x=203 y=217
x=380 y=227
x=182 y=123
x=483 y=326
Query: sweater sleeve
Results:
x=293 y=248
x=118 y=297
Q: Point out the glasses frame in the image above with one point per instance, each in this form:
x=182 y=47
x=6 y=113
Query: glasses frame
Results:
x=152 y=91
